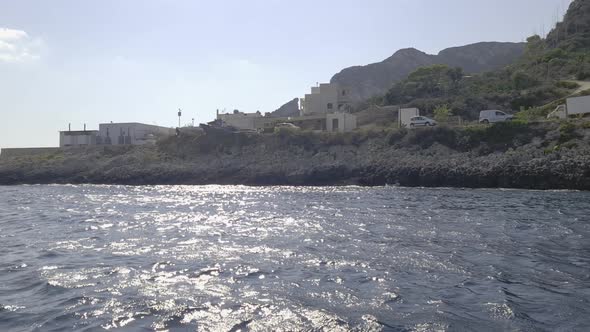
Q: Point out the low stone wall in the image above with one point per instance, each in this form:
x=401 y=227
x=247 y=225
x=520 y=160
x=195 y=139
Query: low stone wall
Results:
x=23 y=152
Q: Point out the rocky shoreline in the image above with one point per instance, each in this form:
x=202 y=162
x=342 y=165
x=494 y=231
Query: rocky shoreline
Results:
x=516 y=155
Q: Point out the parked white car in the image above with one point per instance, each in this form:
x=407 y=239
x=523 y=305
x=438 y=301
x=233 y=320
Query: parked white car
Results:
x=422 y=121
x=492 y=116
x=286 y=126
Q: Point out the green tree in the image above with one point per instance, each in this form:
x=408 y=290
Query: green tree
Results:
x=522 y=80
x=442 y=113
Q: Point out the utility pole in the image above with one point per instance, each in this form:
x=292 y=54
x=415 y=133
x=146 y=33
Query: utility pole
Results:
x=179 y=115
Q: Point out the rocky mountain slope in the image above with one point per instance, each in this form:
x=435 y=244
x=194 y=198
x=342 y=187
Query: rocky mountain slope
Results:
x=375 y=79
x=574 y=30
x=289 y=109
x=532 y=86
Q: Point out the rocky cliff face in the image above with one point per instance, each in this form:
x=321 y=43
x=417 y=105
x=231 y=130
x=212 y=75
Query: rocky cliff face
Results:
x=375 y=79
x=574 y=31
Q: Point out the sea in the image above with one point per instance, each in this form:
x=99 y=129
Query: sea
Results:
x=237 y=258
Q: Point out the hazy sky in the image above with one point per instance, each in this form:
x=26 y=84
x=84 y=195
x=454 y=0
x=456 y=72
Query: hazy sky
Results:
x=72 y=61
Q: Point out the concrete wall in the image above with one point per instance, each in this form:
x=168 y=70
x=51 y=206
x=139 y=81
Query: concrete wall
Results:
x=131 y=133
x=341 y=122
x=313 y=104
x=378 y=115
x=24 y=152
x=405 y=114
x=77 y=138
x=244 y=121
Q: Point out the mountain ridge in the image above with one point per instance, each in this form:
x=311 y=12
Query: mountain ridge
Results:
x=366 y=81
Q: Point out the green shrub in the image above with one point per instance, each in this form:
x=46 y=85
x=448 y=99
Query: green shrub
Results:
x=338 y=138
x=427 y=137
x=500 y=135
x=570 y=145
x=531 y=114
x=289 y=137
x=285 y=130
x=442 y=113
x=396 y=135
x=567 y=132
x=554 y=54
x=522 y=80
x=567 y=85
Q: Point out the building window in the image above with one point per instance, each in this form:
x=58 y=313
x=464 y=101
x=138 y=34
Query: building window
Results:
x=330 y=106
x=344 y=92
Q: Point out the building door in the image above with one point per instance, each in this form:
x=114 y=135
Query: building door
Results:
x=335 y=125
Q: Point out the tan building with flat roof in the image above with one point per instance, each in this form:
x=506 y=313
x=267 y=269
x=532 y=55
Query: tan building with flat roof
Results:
x=240 y=120
x=326 y=98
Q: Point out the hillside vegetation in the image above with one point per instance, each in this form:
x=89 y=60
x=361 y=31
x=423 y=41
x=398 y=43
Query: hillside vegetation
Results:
x=537 y=82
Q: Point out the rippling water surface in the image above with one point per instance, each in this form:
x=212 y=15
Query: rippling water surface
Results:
x=225 y=258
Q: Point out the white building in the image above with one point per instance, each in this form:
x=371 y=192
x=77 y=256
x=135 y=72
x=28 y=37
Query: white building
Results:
x=240 y=120
x=405 y=115
x=325 y=98
x=131 y=133
x=73 y=138
x=340 y=122
x=574 y=106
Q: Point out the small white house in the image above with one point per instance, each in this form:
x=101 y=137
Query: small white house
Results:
x=77 y=138
x=131 y=133
x=341 y=122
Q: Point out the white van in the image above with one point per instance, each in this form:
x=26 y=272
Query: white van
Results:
x=492 y=116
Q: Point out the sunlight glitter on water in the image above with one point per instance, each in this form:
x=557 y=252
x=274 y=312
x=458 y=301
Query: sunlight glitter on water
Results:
x=221 y=258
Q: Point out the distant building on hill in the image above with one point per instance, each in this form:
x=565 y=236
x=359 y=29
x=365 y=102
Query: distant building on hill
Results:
x=72 y=138
x=114 y=134
x=131 y=133
x=326 y=108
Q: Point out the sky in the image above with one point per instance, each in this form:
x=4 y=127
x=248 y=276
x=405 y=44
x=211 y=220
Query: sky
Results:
x=91 y=62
